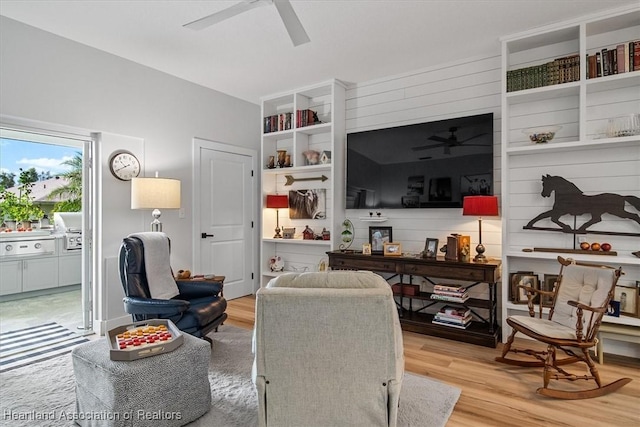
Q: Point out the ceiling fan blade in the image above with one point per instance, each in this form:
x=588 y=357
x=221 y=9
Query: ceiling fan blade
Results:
x=227 y=13
x=473 y=137
x=291 y=22
x=439 y=139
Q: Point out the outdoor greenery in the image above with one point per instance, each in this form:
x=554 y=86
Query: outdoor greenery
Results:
x=19 y=207
x=72 y=192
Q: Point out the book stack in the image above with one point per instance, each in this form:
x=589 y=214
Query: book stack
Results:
x=619 y=59
x=560 y=70
x=454 y=317
x=451 y=293
x=306 y=118
x=277 y=122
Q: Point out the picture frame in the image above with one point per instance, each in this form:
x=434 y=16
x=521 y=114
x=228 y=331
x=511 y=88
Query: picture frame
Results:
x=519 y=295
x=366 y=249
x=430 y=248
x=378 y=236
x=549 y=285
x=613 y=309
x=627 y=296
x=471 y=185
x=392 y=249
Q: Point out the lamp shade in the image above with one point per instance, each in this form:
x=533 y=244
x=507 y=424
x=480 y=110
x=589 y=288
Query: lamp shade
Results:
x=277 y=201
x=155 y=193
x=480 y=206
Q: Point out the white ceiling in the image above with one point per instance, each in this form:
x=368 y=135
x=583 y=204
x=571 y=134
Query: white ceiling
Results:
x=250 y=55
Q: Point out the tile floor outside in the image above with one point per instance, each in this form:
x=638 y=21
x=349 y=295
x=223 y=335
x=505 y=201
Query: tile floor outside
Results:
x=64 y=308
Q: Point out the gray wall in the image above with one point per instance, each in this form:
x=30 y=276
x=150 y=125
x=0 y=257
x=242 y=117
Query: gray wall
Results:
x=55 y=82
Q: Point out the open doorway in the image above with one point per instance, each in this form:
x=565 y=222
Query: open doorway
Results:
x=44 y=261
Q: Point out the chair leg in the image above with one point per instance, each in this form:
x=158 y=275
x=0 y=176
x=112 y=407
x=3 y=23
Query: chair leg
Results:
x=509 y=343
x=600 y=390
x=549 y=364
x=518 y=362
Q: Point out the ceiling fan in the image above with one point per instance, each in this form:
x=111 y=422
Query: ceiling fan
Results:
x=291 y=22
x=450 y=142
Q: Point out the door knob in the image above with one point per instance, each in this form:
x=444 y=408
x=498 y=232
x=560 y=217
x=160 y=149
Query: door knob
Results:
x=205 y=235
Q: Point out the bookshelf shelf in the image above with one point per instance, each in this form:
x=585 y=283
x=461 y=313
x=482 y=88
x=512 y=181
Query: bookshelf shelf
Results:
x=326 y=101
x=580 y=152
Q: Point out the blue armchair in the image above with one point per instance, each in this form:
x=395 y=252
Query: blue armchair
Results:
x=197 y=310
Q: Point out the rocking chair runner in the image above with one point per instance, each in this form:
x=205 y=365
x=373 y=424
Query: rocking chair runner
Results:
x=580 y=299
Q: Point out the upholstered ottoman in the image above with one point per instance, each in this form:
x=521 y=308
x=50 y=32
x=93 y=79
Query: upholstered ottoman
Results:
x=170 y=389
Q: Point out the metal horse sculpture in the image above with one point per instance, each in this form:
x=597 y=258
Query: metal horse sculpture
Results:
x=570 y=200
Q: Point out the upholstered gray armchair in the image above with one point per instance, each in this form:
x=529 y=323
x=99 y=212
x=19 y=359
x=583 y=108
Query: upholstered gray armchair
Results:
x=328 y=351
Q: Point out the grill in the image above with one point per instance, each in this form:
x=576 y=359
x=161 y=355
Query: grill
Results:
x=70 y=225
x=18 y=245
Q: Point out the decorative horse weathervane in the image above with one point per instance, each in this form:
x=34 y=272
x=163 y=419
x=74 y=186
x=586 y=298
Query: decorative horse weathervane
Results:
x=570 y=200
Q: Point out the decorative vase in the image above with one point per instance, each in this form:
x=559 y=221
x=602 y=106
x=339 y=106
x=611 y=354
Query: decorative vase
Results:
x=272 y=162
x=282 y=157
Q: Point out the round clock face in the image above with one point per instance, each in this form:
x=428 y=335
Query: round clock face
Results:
x=124 y=165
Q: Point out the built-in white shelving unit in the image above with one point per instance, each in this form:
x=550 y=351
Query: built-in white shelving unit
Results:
x=581 y=151
x=327 y=99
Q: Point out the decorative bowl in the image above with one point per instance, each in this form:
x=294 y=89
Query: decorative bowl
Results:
x=542 y=134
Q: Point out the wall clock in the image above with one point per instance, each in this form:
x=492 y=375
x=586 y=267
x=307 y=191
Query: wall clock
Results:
x=124 y=165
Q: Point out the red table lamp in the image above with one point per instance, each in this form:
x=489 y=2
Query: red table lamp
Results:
x=277 y=201
x=480 y=206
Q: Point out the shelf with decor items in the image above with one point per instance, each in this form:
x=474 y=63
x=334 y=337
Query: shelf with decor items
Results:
x=588 y=149
x=310 y=174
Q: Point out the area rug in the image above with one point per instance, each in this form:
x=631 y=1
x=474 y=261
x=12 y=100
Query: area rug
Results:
x=43 y=394
x=29 y=345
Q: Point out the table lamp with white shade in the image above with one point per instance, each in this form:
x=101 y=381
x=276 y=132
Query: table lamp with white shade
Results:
x=155 y=193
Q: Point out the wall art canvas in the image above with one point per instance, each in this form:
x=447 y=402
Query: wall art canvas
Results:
x=307 y=204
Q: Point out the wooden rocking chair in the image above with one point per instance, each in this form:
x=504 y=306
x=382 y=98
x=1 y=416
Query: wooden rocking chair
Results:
x=580 y=299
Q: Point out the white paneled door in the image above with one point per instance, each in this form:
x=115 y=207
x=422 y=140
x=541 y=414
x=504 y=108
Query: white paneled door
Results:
x=226 y=210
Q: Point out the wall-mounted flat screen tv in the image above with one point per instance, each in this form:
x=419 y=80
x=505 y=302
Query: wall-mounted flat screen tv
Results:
x=424 y=165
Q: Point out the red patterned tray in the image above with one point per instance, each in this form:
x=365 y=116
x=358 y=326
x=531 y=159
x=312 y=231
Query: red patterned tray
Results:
x=143 y=339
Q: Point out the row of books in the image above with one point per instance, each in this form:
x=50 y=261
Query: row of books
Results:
x=454 y=317
x=306 y=118
x=451 y=293
x=560 y=70
x=283 y=121
x=277 y=122
x=619 y=59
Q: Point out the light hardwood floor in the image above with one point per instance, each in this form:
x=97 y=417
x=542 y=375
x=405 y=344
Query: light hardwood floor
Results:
x=494 y=394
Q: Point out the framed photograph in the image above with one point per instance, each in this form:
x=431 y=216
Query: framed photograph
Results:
x=392 y=249
x=549 y=284
x=613 y=309
x=366 y=249
x=475 y=185
x=627 y=296
x=377 y=238
x=526 y=278
x=307 y=204
x=431 y=248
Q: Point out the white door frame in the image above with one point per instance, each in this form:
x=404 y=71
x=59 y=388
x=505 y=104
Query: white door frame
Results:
x=198 y=144
x=87 y=144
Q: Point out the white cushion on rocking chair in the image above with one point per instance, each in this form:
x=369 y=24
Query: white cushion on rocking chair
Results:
x=547 y=328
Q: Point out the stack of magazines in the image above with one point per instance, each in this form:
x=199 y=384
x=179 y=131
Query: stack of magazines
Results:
x=455 y=317
x=452 y=293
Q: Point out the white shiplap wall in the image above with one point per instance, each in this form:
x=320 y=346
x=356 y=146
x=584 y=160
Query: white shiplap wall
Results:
x=457 y=89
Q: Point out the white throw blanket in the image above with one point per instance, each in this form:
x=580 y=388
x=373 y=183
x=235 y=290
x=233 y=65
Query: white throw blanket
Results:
x=157 y=264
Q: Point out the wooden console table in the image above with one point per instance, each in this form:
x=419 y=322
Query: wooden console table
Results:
x=483 y=330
